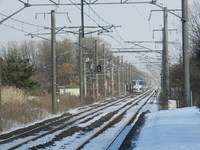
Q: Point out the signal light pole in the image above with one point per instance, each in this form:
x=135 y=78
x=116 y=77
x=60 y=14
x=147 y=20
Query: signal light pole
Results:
x=80 y=66
x=98 y=68
x=118 y=75
x=112 y=78
x=104 y=72
x=97 y=77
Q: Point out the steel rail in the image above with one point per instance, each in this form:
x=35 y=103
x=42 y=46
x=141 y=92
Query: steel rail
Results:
x=129 y=122
x=108 y=104
x=34 y=128
x=110 y=123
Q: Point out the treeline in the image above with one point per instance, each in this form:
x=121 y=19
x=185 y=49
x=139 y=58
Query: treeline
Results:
x=27 y=65
x=176 y=71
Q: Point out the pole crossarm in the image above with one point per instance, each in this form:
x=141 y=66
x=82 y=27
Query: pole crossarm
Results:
x=139 y=51
x=170 y=11
x=162 y=30
x=157 y=42
x=60 y=30
x=139 y=45
x=138 y=48
x=90 y=2
x=150 y=62
x=78 y=27
x=143 y=41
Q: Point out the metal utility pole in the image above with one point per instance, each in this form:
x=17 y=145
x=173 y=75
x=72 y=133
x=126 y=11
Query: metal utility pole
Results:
x=130 y=79
x=96 y=64
x=85 y=79
x=186 y=86
x=118 y=76
x=80 y=67
x=162 y=69
x=122 y=75
x=93 y=89
x=1 y=112
x=127 y=80
x=82 y=18
x=185 y=45
x=104 y=72
x=112 y=77
x=108 y=86
x=131 y=76
x=53 y=53
x=93 y=75
x=165 y=60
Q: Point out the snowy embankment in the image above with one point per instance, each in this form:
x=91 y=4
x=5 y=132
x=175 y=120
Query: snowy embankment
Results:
x=177 y=129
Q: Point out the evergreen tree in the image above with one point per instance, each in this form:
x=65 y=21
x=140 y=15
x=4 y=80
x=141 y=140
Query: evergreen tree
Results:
x=17 y=72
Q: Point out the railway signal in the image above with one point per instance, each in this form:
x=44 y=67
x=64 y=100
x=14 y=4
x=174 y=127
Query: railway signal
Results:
x=98 y=68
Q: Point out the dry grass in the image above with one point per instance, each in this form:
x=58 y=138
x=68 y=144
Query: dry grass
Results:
x=69 y=102
x=11 y=94
x=20 y=109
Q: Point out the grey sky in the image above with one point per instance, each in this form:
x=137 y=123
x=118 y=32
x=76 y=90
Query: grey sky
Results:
x=132 y=18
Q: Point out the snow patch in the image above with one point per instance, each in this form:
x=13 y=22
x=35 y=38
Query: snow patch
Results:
x=176 y=129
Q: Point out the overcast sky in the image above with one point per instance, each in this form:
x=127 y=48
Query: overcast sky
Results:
x=133 y=20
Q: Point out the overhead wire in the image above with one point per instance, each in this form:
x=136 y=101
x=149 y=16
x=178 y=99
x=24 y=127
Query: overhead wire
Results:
x=105 y=22
x=14 y=28
x=119 y=36
x=121 y=41
x=23 y=25
x=89 y=15
x=41 y=28
x=23 y=22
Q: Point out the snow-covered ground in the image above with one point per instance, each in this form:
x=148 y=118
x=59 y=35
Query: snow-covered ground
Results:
x=71 y=142
x=177 y=129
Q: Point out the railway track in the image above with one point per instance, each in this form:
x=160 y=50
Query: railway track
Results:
x=112 y=122
x=7 y=137
x=61 y=125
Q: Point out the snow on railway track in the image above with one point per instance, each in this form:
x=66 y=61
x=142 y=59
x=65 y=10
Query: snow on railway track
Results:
x=109 y=133
x=69 y=130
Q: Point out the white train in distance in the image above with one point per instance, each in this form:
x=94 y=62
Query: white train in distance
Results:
x=138 y=85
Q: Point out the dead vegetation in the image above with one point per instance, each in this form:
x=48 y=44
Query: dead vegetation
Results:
x=20 y=109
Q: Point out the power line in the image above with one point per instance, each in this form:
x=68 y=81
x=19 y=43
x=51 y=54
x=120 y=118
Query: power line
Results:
x=99 y=17
x=30 y=24
x=15 y=28
x=42 y=28
x=13 y=14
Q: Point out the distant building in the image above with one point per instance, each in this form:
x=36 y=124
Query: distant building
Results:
x=69 y=90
